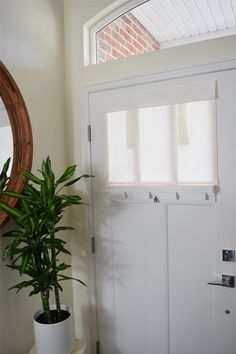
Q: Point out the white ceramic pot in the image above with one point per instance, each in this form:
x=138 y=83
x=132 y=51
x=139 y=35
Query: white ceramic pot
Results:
x=55 y=338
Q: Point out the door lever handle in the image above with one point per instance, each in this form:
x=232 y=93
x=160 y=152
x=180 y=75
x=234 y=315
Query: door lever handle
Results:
x=227 y=281
x=219 y=283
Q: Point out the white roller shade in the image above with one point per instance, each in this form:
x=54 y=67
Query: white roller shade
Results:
x=169 y=144
x=156 y=94
x=199 y=90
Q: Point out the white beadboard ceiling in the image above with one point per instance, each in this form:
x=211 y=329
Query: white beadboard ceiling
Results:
x=176 y=22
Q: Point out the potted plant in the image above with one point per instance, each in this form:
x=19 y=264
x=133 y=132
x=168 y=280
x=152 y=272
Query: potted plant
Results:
x=35 y=248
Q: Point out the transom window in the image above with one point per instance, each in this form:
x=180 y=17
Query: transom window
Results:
x=130 y=27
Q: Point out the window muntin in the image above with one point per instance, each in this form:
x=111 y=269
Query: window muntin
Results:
x=171 y=145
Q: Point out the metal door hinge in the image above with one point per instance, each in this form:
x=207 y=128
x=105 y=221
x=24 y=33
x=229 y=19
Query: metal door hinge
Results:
x=93 y=244
x=97 y=347
x=89 y=133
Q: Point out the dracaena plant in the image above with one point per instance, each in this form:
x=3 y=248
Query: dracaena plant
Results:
x=35 y=247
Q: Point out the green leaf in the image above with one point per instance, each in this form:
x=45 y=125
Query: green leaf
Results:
x=11 y=249
x=73 y=199
x=33 y=192
x=12 y=233
x=28 y=213
x=12 y=211
x=34 y=292
x=5 y=167
x=76 y=180
x=53 y=240
x=32 y=177
x=63 y=228
x=23 y=284
x=61 y=267
x=26 y=256
x=3 y=175
x=66 y=204
x=48 y=175
x=69 y=172
x=14 y=195
x=64 y=277
x=57 y=244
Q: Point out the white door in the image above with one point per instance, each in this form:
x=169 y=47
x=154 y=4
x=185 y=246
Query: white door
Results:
x=158 y=245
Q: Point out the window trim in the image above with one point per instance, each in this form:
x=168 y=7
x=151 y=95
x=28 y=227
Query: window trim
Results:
x=100 y=20
x=134 y=80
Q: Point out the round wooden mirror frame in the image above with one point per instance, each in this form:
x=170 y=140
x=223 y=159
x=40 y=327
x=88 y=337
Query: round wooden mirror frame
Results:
x=21 y=132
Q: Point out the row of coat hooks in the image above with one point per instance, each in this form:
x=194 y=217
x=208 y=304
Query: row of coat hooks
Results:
x=156 y=199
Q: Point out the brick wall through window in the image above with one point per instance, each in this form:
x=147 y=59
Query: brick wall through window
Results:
x=124 y=37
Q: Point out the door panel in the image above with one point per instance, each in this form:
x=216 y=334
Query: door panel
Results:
x=225 y=332
x=136 y=286
x=153 y=260
x=191 y=247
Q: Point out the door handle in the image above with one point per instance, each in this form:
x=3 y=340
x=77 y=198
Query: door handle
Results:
x=227 y=281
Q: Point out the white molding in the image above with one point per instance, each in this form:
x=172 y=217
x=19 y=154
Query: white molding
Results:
x=162 y=75
x=167 y=285
x=133 y=80
x=89 y=232
x=112 y=12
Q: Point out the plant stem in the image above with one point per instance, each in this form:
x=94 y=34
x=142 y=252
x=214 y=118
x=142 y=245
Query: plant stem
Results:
x=56 y=291
x=57 y=301
x=46 y=307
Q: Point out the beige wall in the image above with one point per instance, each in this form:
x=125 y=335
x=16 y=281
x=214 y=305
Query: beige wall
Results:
x=76 y=14
x=32 y=49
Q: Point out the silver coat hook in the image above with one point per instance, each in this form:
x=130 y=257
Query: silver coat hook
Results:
x=156 y=199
